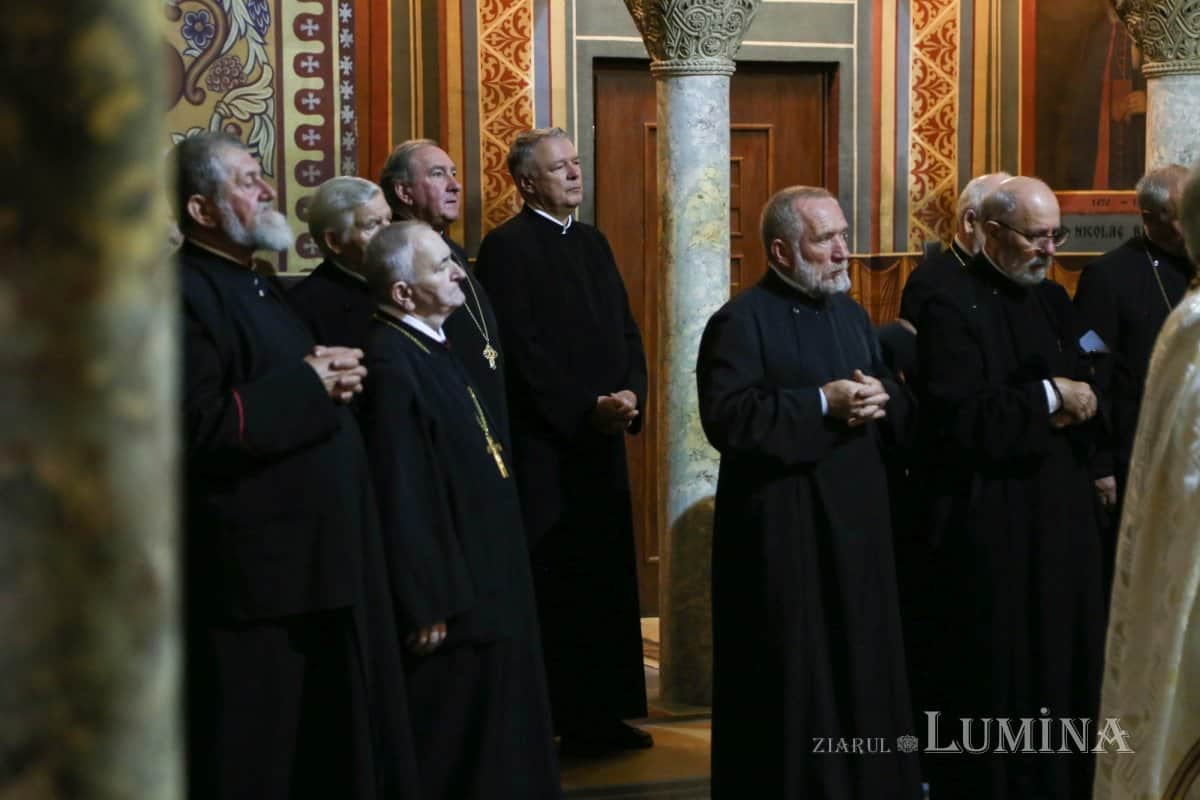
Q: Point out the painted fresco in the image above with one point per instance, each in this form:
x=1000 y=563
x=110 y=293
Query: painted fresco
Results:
x=279 y=75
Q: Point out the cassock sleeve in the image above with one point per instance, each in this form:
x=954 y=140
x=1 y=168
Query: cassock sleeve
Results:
x=1096 y=304
x=635 y=373
x=501 y=270
x=428 y=569
x=282 y=411
x=996 y=423
x=741 y=413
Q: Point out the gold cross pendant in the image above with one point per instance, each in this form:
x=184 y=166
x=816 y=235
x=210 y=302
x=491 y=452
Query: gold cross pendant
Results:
x=496 y=450
x=491 y=355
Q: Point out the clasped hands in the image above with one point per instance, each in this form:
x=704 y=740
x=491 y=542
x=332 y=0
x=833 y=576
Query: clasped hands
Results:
x=1078 y=403
x=856 y=401
x=614 y=412
x=339 y=369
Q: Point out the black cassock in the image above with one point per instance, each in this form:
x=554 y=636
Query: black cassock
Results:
x=1017 y=558
x=808 y=652
x=928 y=277
x=569 y=337
x=456 y=553
x=338 y=307
x=1120 y=296
x=294 y=672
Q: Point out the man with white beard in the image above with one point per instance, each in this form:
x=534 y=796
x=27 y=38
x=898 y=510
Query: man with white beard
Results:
x=1007 y=400
x=809 y=688
x=294 y=678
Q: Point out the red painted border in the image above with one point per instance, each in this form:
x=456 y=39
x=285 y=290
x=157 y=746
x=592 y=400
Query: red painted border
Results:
x=373 y=49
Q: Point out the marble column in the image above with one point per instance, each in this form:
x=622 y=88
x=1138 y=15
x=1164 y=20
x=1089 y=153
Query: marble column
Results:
x=692 y=46
x=90 y=662
x=1168 y=34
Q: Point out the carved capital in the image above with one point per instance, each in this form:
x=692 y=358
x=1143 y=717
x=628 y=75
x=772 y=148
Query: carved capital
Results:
x=692 y=37
x=1166 y=31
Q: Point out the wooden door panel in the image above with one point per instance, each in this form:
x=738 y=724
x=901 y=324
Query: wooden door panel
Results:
x=780 y=134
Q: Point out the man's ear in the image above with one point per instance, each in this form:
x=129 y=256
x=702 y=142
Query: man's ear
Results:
x=202 y=211
x=524 y=185
x=402 y=297
x=969 y=220
x=779 y=253
x=331 y=241
x=403 y=192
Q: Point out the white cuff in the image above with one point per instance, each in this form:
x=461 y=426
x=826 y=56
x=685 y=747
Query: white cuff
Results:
x=1051 y=396
x=824 y=402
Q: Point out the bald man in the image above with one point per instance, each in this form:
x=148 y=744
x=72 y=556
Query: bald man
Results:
x=1017 y=558
x=967 y=241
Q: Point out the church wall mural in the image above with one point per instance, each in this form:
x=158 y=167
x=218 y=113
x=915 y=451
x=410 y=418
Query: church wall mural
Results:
x=281 y=76
x=934 y=91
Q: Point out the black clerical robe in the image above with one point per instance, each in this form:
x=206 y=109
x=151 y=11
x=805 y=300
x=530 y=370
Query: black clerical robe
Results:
x=1125 y=296
x=569 y=337
x=926 y=279
x=335 y=303
x=337 y=306
x=807 y=647
x=455 y=546
x=1018 y=553
x=295 y=683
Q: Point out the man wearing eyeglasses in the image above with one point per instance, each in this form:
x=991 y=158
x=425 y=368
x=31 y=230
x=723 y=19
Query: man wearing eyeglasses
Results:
x=1009 y=397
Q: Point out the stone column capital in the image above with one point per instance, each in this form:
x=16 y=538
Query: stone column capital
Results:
x=1166 y=31
x=692 y=37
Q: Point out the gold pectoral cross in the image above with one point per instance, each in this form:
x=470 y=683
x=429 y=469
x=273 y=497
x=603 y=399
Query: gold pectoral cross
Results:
x=497 y=452
x=491 y=355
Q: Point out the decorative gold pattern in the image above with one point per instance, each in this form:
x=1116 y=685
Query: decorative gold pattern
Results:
x=505 y=99
x=1166 y=31
x=692 y=37
x=933 y=100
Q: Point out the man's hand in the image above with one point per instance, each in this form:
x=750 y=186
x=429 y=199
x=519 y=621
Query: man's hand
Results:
x=426 y=640
x=1078 y=403
x=1106 y=491
x=614 y=412
x=856 y=401
x=339 y=369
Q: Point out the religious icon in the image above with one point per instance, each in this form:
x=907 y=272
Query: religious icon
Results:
x=1089 y=105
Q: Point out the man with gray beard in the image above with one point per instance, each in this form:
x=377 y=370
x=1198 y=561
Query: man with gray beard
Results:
x=1008 y=396
x=809 y=688
x=294 y=677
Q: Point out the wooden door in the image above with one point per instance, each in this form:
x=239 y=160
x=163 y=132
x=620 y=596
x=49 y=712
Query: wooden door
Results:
x=782 y=132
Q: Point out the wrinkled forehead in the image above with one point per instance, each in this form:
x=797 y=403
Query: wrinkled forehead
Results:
x=238 y=163
x=822 y=215
x=554 y=148
x=432 y=157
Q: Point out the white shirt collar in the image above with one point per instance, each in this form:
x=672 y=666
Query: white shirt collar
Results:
x=423 y=327
x=564 y=225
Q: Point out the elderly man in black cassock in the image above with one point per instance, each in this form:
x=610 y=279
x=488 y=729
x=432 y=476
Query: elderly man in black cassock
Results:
x=809 y=689
x=1008 y=383
x=576 y=376
x=420 y=182
x=294 y=675
x=455 y=544
x=1125 y=296
x=343 y=215
x=967 y=241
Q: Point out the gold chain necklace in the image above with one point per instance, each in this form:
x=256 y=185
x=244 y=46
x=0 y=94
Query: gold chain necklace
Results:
x=494 y=448
x=1157 y=278
x=489 y=352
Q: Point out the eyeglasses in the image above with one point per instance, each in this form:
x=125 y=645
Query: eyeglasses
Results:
x=1056 y=237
